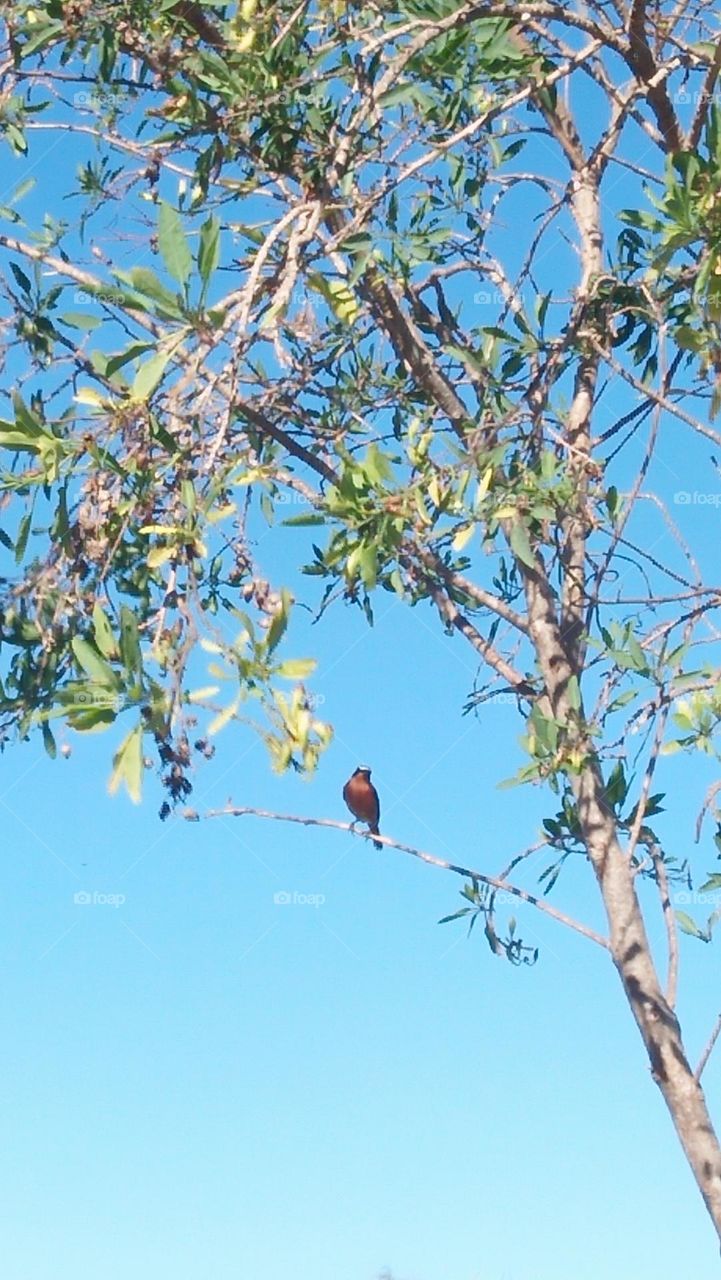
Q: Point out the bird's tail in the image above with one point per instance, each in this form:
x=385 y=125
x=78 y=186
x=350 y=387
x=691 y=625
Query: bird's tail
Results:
x=375 y=832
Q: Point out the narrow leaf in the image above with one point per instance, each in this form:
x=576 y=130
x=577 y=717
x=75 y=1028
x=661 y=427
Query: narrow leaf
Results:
x=173 y=244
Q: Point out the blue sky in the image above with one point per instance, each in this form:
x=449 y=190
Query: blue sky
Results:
x=202 y=1080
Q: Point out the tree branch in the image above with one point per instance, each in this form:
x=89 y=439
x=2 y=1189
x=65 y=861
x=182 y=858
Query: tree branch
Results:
x=503 y=886
x=670 y=922
x=641 y=61
x=453 y=616
x=705 y=100
x=485 y=599
x=708 y=1050
x=266 y=427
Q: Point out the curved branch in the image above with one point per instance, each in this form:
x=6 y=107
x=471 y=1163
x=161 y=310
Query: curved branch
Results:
x=231 y=811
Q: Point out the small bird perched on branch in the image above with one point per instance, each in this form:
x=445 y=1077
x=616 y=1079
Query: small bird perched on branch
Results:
x=362 y=799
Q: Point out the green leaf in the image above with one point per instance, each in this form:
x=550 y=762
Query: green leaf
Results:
x=637 y=654
x=147 y=283
x=521 y=545
x=713 y=883
x=402 y=93
x=622 y=700
x=128 y=765
x=368 y=566
x=49 y=741
x=687 y=925
x=688 y=339
x=474 y=359
x=149 y=375
x=276 y=630
x=173 y=244
x=129 y=641
x=136 y=349
x=209 y=248
x=302 y=520
x=22 y=190
x=80 y=320
x=201 y=695
x=21 y=278
x=377 y=465
x=27 y=420
x=222 y=719
x=15 y=136
x=464 y=911
x=573 y=694
x=104 y=638
x=93 y=664
x=463 y=537
x=43 y=34
x=160 y=555
x=296 y=668
x=86 y=719
x=22 y=538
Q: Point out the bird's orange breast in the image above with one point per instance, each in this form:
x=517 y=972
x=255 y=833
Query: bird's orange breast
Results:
x=362 y=800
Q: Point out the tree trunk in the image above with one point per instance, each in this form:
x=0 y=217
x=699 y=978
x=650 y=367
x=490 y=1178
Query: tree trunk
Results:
x=656 y=1020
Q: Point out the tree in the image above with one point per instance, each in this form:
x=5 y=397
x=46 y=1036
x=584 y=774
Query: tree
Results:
x=446 y=274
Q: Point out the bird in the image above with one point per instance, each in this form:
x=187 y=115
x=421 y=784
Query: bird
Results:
x=362 y=799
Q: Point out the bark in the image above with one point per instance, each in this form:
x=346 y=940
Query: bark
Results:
x=557 y=627
x=629 y=946
x=556 y=630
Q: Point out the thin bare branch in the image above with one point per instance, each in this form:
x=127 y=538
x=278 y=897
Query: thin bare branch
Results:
x=708 y=1050
x=670 y=922
x=504 y=886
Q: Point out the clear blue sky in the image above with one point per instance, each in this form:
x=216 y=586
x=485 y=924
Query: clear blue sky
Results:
x=199 y=1081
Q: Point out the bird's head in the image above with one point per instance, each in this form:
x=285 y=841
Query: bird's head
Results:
x=364 y=770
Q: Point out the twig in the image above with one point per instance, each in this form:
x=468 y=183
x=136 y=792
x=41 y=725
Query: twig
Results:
x=479 y=596
x=520 y=857
x=453 y=617
x=650 y=395
x=231 y=811
x=670 y=922
x=708 y=1050
x=647 y=780
x=63 y=268
x=707 y=802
